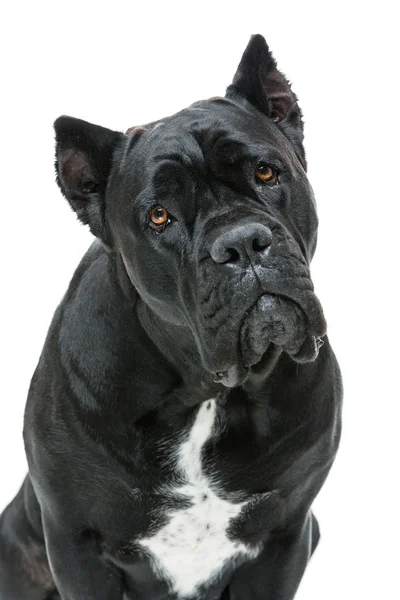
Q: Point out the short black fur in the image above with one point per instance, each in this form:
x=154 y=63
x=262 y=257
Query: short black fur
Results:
x=220 y=304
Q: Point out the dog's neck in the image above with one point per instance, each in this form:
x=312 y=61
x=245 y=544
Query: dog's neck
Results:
x=176 y=344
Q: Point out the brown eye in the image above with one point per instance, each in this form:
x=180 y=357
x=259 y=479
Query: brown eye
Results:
x=266 y=173
x=158 y=217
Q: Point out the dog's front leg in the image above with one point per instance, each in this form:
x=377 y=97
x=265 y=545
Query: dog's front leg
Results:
x=277 y=572
x=79 y=571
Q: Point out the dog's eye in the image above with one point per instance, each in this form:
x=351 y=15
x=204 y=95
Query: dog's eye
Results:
x=159 y=218
x=266 y=173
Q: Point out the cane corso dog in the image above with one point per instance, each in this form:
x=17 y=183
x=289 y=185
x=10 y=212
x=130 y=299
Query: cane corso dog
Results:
x=185 y=410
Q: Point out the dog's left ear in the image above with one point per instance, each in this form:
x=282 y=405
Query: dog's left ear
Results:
x=84 y=154
x=259 y=81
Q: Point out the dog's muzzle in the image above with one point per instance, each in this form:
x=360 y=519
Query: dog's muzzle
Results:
x=256 y=292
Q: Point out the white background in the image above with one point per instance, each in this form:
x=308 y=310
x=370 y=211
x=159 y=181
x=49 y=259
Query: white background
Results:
x=123 y=64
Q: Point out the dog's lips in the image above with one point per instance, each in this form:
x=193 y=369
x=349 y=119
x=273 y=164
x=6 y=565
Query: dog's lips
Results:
x=282 y=322
x=272 y=323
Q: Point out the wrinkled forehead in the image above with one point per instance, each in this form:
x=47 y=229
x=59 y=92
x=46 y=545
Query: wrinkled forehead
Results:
x=193 y=133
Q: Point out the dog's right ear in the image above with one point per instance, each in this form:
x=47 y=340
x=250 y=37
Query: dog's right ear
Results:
x=84 y=154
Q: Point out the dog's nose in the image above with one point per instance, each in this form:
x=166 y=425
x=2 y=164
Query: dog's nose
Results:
x=241 y=244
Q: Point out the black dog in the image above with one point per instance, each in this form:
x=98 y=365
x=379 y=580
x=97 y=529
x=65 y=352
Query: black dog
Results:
x=183 y=416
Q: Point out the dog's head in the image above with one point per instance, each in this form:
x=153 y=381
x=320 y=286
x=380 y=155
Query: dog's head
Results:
x=213 y=216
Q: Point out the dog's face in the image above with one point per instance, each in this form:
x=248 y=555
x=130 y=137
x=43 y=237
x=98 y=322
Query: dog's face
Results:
x=213 y=215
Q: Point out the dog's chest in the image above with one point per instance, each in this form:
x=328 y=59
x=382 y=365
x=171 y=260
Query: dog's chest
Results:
x=193 y=546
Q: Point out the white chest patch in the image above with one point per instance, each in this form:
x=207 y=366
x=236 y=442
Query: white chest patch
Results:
x=193 y=547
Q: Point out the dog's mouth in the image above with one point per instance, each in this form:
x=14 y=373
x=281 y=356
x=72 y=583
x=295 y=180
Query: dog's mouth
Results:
x=274 y=322
x=281 y=321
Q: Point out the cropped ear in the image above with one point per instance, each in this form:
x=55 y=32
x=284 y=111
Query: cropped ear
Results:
x=259 y=81
x=84 y=155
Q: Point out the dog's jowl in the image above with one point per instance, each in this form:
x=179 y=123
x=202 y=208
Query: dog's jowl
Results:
x=185 y=410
